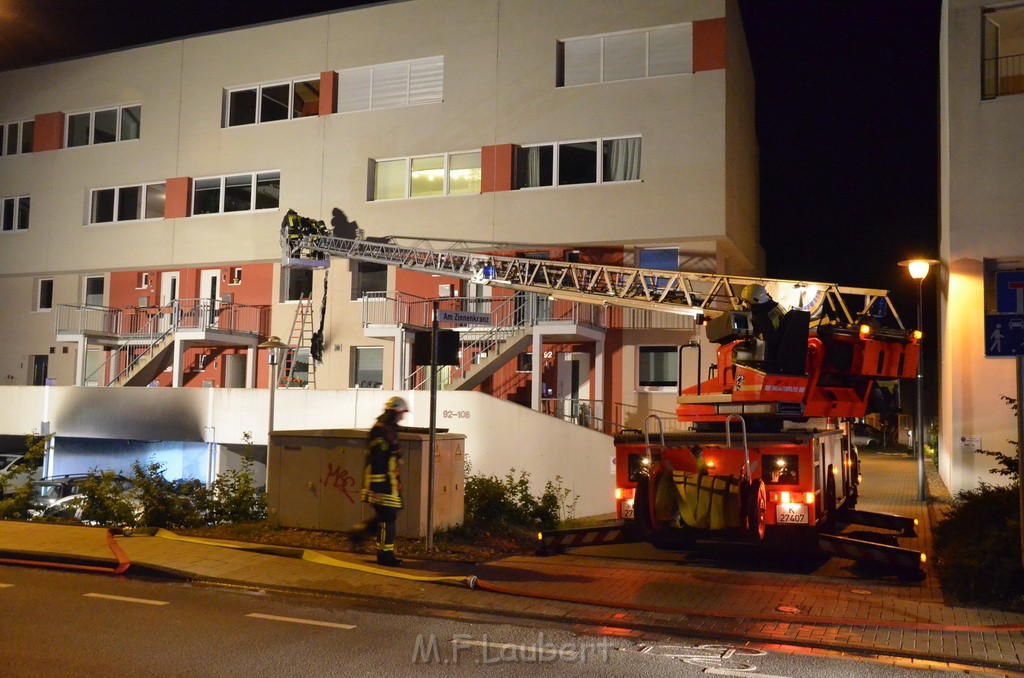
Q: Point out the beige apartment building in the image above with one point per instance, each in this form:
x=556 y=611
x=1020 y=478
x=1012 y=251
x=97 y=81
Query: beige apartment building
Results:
x=982 y=241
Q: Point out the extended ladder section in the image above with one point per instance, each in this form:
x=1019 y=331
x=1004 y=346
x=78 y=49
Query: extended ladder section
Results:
x=301 y=338
x=695 y=294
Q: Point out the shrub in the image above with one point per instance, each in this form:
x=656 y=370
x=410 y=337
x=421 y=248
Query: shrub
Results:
x=978 y=549
x=166 y=503
x=15 y=505
x=107 y=500
x=508 y=502
x=234 y=498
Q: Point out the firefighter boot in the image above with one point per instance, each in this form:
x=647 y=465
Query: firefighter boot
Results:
x=387 y=559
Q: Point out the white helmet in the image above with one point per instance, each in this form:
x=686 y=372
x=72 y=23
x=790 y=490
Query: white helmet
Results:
x=755 y=294
x=396 y=404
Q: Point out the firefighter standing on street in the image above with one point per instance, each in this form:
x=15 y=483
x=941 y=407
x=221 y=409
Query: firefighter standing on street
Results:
x=381 y=483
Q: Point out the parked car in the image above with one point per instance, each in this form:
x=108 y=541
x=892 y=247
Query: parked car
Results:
x=865 y=435
x=62 y=497
x=8 y=462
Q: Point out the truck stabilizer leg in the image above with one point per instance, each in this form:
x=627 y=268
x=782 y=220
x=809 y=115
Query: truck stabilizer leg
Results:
x=905 y=562
x=886 y=521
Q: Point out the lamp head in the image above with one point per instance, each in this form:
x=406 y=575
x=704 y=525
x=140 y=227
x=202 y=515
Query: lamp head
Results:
x=918 y=268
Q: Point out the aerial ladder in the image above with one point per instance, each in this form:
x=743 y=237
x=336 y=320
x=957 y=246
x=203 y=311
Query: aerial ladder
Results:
x=791 y=469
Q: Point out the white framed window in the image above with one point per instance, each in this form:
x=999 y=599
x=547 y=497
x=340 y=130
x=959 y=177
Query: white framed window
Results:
x=401 y=83
x=367 y=366
x=14 y=214
x=142 y=280
x=92 y=290
x=626 y=55
x=589 y=161
x=657 y=368
x=236 y=276
x=103 y=125
x=368 y=277
x=456 y=173
x=270 y=102
x=43 y=301
x=237 y=193
x=127 y=203
x=17 y=137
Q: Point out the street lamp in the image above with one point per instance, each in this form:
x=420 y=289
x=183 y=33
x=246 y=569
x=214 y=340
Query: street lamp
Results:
x=275 y=347
x=918 y=269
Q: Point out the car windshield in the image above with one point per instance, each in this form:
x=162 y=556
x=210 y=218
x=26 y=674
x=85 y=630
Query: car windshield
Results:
x=48 y=490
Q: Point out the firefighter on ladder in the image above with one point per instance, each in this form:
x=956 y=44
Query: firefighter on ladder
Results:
x=381 y=483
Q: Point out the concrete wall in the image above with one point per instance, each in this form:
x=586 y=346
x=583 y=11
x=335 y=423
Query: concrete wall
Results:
x=500 y=436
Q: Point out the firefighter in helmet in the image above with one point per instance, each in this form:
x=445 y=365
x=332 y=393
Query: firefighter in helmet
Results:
x=766 y=316
x=381 y=483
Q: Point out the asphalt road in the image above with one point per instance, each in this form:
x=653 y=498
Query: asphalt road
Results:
x=57 y=623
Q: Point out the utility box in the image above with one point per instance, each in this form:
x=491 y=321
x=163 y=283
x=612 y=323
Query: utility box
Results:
x=314 y=479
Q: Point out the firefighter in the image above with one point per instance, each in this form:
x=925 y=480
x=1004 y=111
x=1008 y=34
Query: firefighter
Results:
x=381 y=483
x=292 y=225
x=766 y=316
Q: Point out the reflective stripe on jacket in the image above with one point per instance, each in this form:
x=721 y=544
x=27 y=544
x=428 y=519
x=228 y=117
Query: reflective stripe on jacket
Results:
x=381 y=484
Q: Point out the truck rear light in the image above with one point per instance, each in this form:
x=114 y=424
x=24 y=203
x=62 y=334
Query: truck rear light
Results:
x=791 y=497
x=808 y=497
x=618 y=493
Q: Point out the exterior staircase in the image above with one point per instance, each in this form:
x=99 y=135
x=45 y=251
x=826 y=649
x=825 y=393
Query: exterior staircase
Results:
x=502 y=352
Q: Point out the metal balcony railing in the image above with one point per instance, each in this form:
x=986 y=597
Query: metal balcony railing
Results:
x=1002 y=76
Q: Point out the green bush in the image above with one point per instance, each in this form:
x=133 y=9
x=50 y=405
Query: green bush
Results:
x=15 y=505
x=977 y=548
x=166 y=503
x=977 y=543
x=234 y=498
x=507 y=502
x=107 y=501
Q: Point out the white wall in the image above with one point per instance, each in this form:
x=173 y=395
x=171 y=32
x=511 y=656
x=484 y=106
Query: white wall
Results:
x=500 y=435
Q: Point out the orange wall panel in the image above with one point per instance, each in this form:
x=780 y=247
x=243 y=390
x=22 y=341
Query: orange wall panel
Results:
x=328 y=93
x=48 y=134
x=708 y=45
x=496 y=166
x=179 y=198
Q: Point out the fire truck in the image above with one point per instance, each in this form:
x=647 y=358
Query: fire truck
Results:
x=769 y=450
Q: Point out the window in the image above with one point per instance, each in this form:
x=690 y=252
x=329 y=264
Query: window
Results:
x=127 y=203
x=237 y=193
x=368 y=277
x=16 y=137
x=630 y=55
x=404 y=83
x=44 y=295
x=142 y=281
x=657 y=368
x=367 y=366
x=662 y=258
x=272 y=102
x=103 y=126
x=236 y=276
x=297 y=282
x=1002 y=52
x=578 y=162
x=424 y=176
x=15 y=214
x=92 y=292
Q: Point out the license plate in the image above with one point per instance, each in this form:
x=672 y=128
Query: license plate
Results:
x=627 y=509
x=791 y=514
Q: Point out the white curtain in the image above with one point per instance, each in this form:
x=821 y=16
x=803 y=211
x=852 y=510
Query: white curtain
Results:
x=622 y=159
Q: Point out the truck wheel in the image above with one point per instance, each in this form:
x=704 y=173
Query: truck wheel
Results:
x=755 y=509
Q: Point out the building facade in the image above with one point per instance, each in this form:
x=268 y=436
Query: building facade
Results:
x=982 y=243
x=143 y=192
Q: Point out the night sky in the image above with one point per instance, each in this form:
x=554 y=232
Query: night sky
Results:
x=846 y=115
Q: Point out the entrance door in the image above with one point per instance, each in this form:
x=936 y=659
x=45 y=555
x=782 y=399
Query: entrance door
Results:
x=39 y=365
x=208 y=292
x=168 y=295
x=574 y=387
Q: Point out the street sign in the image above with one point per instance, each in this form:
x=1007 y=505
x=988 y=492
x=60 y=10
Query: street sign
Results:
x=464 y=317
x=1004 y=334
x=1010 y=291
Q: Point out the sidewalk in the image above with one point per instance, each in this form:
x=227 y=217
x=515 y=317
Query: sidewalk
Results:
x=636 y=587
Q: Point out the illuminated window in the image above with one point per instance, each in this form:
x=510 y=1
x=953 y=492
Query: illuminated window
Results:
x=425 y=176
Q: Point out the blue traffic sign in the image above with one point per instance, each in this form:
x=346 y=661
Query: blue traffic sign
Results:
x=1004 y=334
x=1010 y=292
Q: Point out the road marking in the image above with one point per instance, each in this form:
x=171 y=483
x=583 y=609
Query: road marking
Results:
x=295 y=620
x=125 y=599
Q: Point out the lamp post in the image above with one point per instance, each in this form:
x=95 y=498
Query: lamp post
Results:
x=275 y=346
x=918 y=269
